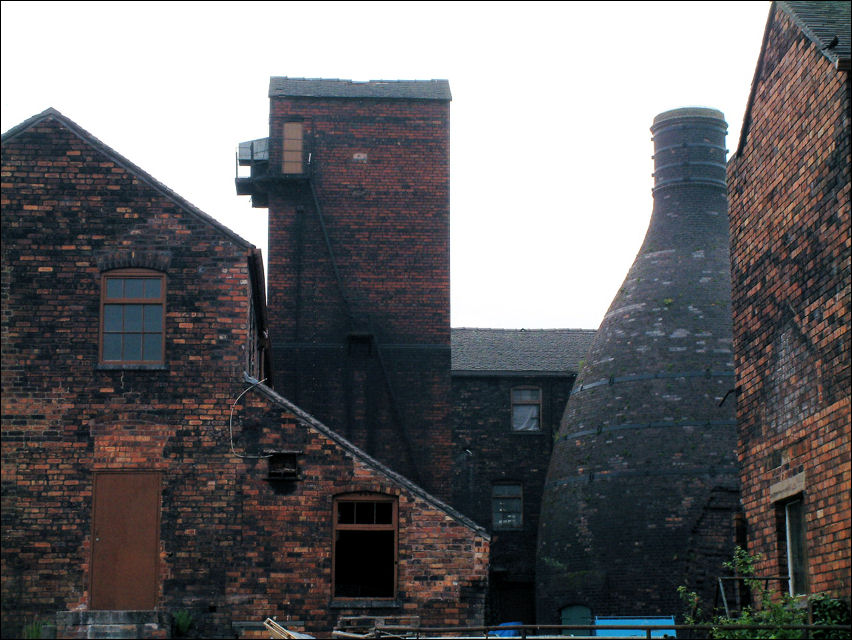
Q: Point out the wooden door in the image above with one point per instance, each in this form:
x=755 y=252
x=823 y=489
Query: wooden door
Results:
x=125 y=541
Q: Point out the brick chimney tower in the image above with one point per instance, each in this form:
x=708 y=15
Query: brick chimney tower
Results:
x=642 y=486
x=356 y=176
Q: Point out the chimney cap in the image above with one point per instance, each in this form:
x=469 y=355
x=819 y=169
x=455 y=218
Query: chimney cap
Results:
x=690 y=112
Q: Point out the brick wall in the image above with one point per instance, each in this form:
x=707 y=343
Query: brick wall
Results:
x=232 y=546
x=789 y=187
x=488 y=452
x=380 y=172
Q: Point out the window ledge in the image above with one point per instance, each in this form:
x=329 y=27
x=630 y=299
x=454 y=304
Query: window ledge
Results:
x=131 y=367
x=364 y=603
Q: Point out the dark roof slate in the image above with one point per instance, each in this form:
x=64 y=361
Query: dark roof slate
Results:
x=503 y=351
x=144 y=176
x=323 y=88
x=822 y=22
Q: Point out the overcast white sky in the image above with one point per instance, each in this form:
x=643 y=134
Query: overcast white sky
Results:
x=552 y=104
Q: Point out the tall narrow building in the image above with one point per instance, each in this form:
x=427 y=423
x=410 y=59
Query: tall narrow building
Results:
x=641 y=490
x=356 y=178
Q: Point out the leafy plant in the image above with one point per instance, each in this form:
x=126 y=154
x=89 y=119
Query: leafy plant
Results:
x=33 y=629
x=773 y=609
x=183 y=621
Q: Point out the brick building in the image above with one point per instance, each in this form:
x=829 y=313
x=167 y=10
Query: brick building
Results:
x=509 y=390
x=789 y=185
x=356 y=178
x=142 y=466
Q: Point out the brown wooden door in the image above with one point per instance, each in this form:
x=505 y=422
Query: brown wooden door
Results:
x=125 y=544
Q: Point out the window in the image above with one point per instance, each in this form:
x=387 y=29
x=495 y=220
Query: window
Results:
x=133 y=305
x=293 y=148
x=791 y=544
x=526 y=409
x=507 y=506
x=365 y=546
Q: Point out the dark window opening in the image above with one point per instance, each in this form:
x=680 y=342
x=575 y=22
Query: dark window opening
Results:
x=365 y=547
x=507 y=506
x=284 y=466
x=360 y=344
x=132 y=317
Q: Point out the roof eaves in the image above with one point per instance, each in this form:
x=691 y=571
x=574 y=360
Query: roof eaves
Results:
x=796 y=12
x=431 y=90
x=512 y=373
x=308 y=420
x=129 y=166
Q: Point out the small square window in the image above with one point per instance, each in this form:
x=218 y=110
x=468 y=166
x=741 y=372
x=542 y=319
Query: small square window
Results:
x=526 y=409
x=283 y=466
x=507 y=506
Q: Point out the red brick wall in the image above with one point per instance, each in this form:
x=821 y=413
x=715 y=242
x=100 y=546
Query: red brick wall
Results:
x=789 y=189
x=232 y=546
x=386 y=217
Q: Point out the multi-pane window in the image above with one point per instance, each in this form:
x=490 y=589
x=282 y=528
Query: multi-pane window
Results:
x=526 y=409
x=133 y=304
x=507 y=506
x=365 y=546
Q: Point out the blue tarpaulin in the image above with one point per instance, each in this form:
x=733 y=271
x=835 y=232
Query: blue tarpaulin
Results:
x=630 y=630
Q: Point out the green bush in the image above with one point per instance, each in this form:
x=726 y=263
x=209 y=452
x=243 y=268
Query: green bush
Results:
x=33 y=629
x=773 y=608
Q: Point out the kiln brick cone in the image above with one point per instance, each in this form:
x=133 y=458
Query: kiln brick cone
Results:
x=642 y=485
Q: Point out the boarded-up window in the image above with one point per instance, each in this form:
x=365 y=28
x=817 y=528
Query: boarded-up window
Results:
x=293 y=148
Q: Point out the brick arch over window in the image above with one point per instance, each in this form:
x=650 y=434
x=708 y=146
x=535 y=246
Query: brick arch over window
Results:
x=130 y=259
x=132 y=317
x=365 y=550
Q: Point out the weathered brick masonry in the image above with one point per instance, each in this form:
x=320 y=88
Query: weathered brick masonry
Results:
x=230 y=544
x=789 y=185
x=359 y=266
x=643 y=471
x=489 y=452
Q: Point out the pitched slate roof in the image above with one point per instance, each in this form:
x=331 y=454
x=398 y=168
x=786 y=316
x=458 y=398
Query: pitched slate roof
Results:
x=822 y=22
x=517 y=351
x=322 y=88
x=80 y=132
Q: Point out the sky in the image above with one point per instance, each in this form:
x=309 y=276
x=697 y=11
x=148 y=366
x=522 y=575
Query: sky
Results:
x=552 y=104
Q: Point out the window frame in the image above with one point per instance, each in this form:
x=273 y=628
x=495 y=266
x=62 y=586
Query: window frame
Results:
x=132 y=273
x=797 y=580
x=337 y=526
x=525 y=403
x=519 y=497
